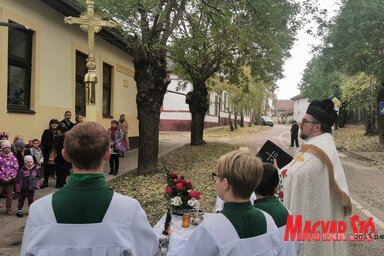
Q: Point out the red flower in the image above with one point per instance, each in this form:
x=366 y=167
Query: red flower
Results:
x=189 y=185
x=284 y=173
x=172 y=175
x=178 y=180
x=180 y=186
x=281 y=194
x=184 y=198
x=184 y=182
x=168 y=190
x=195 y=194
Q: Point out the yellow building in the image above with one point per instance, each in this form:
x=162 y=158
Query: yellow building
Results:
x=42 y=67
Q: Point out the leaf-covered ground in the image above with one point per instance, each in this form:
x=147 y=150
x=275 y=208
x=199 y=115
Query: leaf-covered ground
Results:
x=352 y=138
x=196 y=164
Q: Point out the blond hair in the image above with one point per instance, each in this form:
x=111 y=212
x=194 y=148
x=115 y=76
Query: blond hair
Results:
x=86 y=144
x=242 y=169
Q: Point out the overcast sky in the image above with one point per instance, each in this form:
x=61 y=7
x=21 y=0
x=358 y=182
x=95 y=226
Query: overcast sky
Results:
x=300 y=55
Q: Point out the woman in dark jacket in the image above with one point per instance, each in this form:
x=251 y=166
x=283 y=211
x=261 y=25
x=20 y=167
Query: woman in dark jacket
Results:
x=62 y=167
x=49 y=147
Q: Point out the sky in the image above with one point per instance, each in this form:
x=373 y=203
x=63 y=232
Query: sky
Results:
x=300 y=55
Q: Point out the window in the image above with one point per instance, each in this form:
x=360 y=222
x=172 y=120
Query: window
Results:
x=19 y=69
x=107 y=89
x=81 y=70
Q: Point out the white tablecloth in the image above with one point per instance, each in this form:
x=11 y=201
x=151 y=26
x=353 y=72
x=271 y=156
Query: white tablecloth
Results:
x=185 y=233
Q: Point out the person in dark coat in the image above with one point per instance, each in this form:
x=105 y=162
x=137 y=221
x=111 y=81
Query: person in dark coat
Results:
x=294 y=133
x=49 y=147
x=67 y=120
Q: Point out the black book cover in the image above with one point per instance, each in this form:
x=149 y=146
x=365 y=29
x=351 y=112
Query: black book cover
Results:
x=270 y=151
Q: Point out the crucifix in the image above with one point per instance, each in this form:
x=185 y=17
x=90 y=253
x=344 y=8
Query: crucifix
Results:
x=92 y=24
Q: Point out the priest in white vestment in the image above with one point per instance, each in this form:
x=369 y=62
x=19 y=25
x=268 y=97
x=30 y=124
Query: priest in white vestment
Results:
x=314 y=183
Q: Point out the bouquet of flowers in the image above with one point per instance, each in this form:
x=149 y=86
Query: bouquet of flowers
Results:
x=180 y=192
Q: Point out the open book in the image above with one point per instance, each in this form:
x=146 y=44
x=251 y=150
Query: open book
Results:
x=270 y=151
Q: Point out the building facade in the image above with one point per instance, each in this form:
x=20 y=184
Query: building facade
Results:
x=42 y=68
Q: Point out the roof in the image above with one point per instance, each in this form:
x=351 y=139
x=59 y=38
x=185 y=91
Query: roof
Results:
x=72 y=8
x=297 y=97
x=284 y=106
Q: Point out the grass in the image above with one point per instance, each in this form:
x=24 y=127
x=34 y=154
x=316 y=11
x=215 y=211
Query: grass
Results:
x=196 y=164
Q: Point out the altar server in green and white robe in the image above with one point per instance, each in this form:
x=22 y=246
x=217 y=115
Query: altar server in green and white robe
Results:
x=86 y=217
x=240 y=228
x=268 y=202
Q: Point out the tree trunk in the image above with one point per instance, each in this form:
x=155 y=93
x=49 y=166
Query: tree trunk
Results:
x=241 y=119
x=198 y=105
x=197 y=128
x=235 y=121
x=151 y=82
x=230 y=123
x=380 y=118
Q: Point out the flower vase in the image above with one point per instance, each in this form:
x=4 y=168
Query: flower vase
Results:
x=179 y=210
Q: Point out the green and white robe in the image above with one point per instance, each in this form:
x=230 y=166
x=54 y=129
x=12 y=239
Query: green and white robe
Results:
x=86 y=217
x=240 y=229
x=272 y=206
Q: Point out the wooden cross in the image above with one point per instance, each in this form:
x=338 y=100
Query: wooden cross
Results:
x=92 y=24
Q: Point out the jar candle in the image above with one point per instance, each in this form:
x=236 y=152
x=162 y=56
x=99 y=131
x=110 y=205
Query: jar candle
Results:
x=186 y=220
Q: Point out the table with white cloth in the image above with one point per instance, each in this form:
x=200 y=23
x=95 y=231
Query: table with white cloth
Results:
x=184 y=233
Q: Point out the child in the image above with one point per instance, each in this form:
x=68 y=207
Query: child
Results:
x=8 y=171
x=37 y=153
x=268 y=202
x=27 y=181
x=240 y=228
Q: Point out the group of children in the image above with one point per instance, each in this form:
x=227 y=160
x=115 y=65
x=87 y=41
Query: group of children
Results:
x=243 y=226
x=19 y=171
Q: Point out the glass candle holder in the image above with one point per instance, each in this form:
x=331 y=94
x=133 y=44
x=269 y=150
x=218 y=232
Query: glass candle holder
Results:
x=186 y=220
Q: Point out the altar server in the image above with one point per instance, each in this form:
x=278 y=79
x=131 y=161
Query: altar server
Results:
x=268 y=202
x=86 y=217
x=239 y=229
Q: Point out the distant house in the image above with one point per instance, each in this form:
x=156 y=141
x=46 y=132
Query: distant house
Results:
x=300 y=105
x=175 y=115
x=283 y=111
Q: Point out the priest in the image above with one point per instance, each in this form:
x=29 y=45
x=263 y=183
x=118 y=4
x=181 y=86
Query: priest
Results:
x=314 y=183
x=86 y=217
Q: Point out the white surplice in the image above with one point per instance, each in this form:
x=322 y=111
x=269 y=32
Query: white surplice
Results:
x=307 y=192
x=124 y=230
x=217 y=236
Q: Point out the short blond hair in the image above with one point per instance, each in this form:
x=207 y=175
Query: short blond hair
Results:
x=86 y=144
x=242 y=169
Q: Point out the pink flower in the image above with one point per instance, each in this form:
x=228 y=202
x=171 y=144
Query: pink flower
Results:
x=284 y=173
x=180 y=186
x=178 y=180
x=168 y=190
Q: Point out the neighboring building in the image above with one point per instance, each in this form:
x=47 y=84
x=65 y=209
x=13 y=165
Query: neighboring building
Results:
x=283 y=111
x=300 y=105
x=175 y=115
x=42 y=67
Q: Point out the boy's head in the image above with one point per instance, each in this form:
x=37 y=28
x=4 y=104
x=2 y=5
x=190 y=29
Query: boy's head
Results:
x=269 y=182
x=242 y=170
x=28 y=161
x=86 y=145
x=35 y=143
